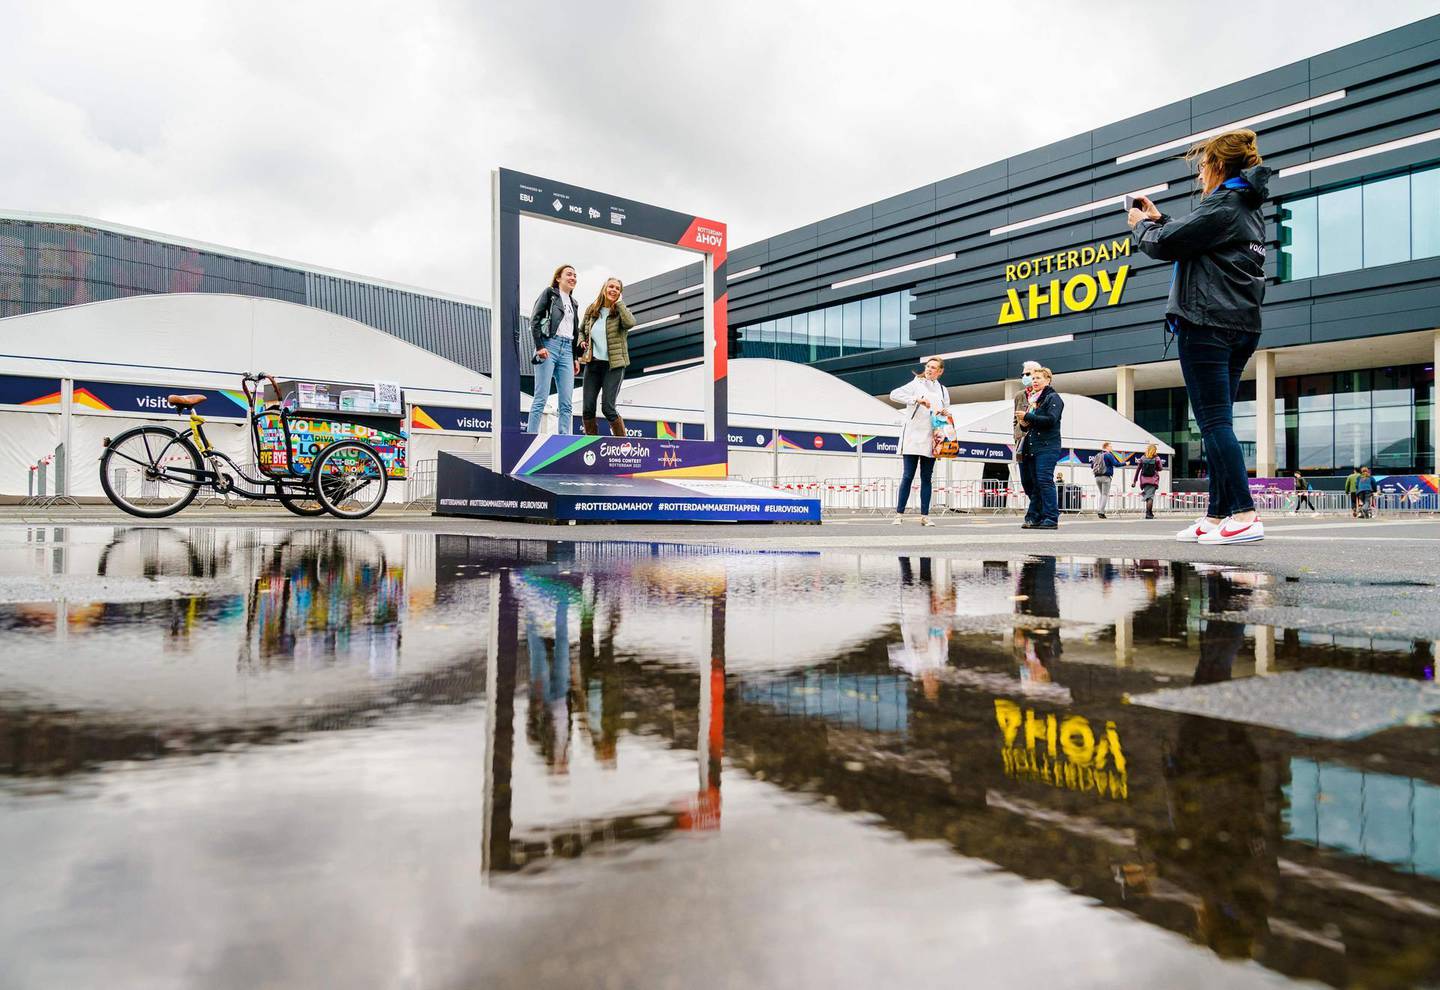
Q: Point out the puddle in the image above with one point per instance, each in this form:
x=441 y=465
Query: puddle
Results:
x=300 y=758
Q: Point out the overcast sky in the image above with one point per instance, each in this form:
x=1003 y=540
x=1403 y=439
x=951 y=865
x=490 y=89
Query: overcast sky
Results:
x=360 y=135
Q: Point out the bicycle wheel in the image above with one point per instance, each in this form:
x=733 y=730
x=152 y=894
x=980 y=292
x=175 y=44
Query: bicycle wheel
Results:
x=302 y=505
x=150 y=471
x=349 y=479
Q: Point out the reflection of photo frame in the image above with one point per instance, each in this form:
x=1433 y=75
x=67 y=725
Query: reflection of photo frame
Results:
x=514 y=194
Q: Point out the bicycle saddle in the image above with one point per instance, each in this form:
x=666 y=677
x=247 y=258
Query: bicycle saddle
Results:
x=184 y=401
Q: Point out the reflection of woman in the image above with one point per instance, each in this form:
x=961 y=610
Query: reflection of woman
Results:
x=924 y=650
x=547 y=637
x=925 y=401
x=605 y=353
x=1038 y=648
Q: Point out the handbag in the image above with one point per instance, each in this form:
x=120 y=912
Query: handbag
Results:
x=941 y=447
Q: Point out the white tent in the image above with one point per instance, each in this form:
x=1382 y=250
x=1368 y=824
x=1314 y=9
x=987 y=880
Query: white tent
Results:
x=786 y=396
x=765 y=394
x=183 y=341
x=1086 y=424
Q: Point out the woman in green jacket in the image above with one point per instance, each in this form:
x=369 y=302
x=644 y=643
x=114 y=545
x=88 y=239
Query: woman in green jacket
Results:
x=605 y=353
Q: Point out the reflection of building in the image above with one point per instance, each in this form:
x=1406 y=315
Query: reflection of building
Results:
x=52 y=261
x=1018 y=259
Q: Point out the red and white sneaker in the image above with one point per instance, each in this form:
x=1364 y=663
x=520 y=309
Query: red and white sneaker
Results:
x=1197 y=529
x=1231 y=531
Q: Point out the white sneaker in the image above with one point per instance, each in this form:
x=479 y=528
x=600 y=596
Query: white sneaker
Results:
x=1197 y=529
x=897 y=521
x=926 y=521
x=1231 y=531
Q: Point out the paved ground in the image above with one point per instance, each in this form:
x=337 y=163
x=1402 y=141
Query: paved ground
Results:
x=1374 y=577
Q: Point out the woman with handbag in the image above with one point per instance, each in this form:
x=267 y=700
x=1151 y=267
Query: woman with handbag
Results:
x=1040 y=450
x=926 y=403
x=605 y=354
x=1147 y=479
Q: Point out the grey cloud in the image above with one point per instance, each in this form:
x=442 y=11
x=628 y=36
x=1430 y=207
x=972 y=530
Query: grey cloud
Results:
x=361 y=135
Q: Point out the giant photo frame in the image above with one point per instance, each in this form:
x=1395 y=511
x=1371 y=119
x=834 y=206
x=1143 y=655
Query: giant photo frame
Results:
x=517 y=453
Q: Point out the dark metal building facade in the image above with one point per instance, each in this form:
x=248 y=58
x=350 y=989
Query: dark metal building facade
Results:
x=988 y=260
x=47 y=263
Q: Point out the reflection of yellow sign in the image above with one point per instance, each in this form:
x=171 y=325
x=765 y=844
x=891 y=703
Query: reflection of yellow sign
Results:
x=1064 y=753
x=1076 y=294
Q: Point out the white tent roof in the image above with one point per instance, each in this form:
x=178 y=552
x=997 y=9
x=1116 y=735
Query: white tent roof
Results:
x=1087 y=423
x=770 y=393
x=764 y=393
x=206 y=340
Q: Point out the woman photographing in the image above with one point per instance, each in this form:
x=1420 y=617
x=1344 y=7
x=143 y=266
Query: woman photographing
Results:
x=1214 y=308
x=605 y=354
x=926 y=404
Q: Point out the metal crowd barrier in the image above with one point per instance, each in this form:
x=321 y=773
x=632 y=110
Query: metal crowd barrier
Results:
x=420 y=482
x=45 y=482
x=878 y=496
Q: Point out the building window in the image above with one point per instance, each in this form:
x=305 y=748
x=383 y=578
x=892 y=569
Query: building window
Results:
x=877 y=323
x=1324 y=424
x=1379 y=222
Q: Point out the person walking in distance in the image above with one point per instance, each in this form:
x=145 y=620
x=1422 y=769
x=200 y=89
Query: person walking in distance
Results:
x=1040 y=451
x=605 y=354
x=1147 y=479
x=1216 y=291
x=926 y=403
x=1103 y=465
x=1351 y=488
x=1302 y=494
x=553 y=322
x=1365 y=492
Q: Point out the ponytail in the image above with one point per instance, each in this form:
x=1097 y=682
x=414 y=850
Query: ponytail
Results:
x=1229 y=153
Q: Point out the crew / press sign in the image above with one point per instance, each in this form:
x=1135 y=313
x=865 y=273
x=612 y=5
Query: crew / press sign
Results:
x=1071 y=295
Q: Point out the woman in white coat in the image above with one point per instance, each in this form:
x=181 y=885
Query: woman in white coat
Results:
x=924 y=398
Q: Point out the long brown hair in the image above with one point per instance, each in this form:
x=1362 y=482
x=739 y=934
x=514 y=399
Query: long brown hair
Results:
x=1226 y=154
x=555 y=279
x=593 y=310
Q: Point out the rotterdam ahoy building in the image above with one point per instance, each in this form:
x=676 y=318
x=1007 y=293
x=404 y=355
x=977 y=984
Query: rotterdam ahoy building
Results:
x=1030 y=258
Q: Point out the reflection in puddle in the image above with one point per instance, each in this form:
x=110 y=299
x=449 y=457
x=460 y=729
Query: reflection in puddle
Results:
x=527 y=732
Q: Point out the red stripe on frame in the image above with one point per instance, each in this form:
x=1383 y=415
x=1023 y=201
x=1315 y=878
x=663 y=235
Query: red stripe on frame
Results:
x=722 y=337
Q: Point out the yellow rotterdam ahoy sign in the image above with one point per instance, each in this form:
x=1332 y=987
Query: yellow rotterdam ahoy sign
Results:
x=1072 y=295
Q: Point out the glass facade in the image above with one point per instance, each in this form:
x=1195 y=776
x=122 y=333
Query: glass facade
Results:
x=48 y=265
x=1324 y=424
x=872 y=324
x=1380 y=222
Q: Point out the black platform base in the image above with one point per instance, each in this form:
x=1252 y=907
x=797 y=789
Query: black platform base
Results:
x=467 y=487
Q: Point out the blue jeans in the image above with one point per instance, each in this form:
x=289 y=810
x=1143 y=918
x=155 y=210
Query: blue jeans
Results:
x=907 y=477
x=1037 y=477
x=1212 y=360
x=560 y=365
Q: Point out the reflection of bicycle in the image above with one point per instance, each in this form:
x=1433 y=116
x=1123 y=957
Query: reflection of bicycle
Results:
x=154 y=471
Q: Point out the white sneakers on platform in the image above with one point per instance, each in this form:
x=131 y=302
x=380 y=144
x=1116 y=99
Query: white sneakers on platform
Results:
x=1231 y=531
x=1197 y=529
x=1228 y=531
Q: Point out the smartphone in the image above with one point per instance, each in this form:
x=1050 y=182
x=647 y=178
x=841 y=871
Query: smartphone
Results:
x=1134 y=202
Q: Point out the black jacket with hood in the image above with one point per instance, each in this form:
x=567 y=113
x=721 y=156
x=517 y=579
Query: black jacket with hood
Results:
x=1219 y=254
